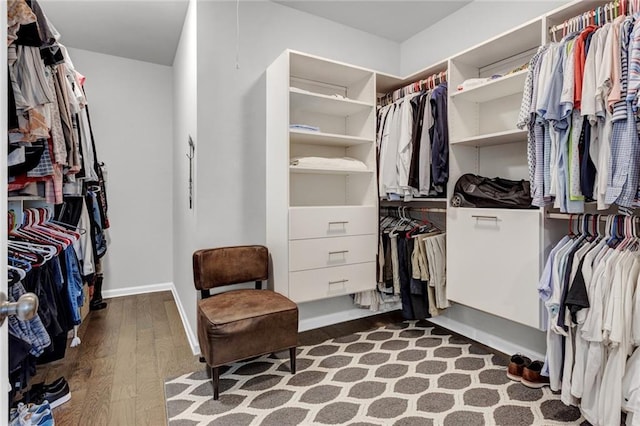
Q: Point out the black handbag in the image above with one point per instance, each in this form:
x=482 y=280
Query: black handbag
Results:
x=478 y=191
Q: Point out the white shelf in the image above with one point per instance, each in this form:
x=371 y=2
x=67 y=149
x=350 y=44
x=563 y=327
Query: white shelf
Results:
x=498 y=138
x=326 y=171
x=25 y=198
x=302 y=100
x=314 y=68
x=326 y=139
x=523 y=38
x=494 y=89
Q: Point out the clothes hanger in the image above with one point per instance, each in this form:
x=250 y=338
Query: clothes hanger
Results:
x=19 y=263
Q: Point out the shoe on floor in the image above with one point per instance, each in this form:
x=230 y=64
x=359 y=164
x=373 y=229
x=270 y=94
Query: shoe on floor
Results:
x=516 y=366
x=56 y=398
x=531 y=376
x=38 y=416
x=56 y=385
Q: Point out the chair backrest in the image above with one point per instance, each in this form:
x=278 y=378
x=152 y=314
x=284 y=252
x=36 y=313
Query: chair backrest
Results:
x=222 y=266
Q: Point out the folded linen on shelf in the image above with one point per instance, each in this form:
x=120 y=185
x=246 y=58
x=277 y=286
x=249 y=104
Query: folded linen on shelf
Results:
x=305 y=127
x=343 y=163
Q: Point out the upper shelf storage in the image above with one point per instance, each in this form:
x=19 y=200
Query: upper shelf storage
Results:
x=386 y=83
x=327 y=77
x=303 y=100
x=521 y=39
x=493 y=89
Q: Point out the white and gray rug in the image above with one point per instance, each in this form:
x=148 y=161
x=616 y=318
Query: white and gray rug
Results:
x=403 y=375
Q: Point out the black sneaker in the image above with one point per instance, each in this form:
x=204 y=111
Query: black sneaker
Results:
x=56 y=398
x=56 y=385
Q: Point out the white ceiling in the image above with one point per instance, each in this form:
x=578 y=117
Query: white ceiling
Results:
x=395 y=20
x=149 y=30
x=146 y=30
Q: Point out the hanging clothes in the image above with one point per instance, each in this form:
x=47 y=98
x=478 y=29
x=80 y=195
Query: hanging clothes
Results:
x=590 y=286
x=411 y=267
x=580 y=108
x=413 y=143
x=42 y=261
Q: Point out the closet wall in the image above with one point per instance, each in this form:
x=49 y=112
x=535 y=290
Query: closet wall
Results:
x=131 y=114
x=475 y=23
x=231 y=123
x=185 y=98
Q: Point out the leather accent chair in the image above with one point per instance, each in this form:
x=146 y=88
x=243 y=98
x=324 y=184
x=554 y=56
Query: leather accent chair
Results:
x=240 y=324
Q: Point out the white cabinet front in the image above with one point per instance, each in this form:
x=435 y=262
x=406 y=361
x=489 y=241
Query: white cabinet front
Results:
x=493 y=261
x=334 y=221
x=315 y=284
x=325 y=252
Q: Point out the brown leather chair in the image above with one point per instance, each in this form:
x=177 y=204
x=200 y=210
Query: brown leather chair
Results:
x=240 y=324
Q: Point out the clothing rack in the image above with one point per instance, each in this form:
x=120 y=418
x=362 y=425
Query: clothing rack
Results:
x=573 y=216
x=597 y=16
x=428 y=83
x=416 y=209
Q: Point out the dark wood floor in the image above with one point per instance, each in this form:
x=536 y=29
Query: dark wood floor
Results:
x=116 y=375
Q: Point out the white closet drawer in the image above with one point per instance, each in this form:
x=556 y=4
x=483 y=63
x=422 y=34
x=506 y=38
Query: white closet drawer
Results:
x=333 y=221
x=314 y=284
x=494 y=261
x=326 y=252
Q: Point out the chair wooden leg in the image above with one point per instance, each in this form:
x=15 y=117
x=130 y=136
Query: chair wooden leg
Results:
x=292 y=359
x=215 y=376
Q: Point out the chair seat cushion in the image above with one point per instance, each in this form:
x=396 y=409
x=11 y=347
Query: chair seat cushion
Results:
x=240 y=324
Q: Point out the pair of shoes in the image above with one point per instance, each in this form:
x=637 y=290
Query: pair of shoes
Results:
x=32 y=415
x=527 y=372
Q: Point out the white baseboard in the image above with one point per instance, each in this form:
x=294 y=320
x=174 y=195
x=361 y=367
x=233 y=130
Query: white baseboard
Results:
x=152 y=288
x=130 y=291
x=488 y=339
x=191 y=336
x=337 y=317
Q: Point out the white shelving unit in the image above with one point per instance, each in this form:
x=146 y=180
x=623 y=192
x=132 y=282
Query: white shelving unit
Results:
x=502 y=247
x=326 y=215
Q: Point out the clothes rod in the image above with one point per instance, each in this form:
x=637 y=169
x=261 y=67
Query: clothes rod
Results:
x=416 y=209
x=598 y=16
x=430 y=82
x=567 y=216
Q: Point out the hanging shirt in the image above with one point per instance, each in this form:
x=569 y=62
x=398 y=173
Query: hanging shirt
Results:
x=439 y=138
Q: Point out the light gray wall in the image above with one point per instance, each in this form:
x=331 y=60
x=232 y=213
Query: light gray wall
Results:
x=232 y=105
x=131 y=116
x=467 y=27
x=185 y=75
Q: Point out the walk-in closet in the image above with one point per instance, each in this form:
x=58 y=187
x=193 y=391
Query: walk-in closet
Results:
x=281 y=212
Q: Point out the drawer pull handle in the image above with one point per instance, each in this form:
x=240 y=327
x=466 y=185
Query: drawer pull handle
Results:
x=478 y=217
x=338 y=252
x=338 y=282
x=339 y=222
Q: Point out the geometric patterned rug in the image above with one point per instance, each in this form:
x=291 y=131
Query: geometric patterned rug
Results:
x=404 y=374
